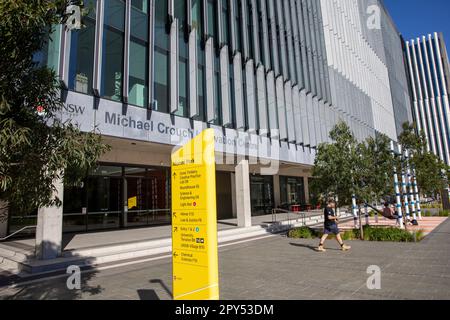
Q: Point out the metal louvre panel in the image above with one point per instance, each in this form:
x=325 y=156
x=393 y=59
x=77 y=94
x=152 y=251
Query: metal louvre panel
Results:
x=232 y=24
x=174 y=76
x=282 y=30
x=289 y=111
x=265 y=31
x=255 y=35
x=218 y=23
x=304 y=56
x=272 y=105
x=428 y=111
x=238 y=92
x=324 y=36
x=444 y=135
x=151 y=39
x=297 y=114
x=308 y=47
x=312 y=30
x=431 y=96
x=304 y=118
x=64 y=48
x=317 y=120
x=98 y=47
x=281 y=108
x=320 y=49
x=290 y=42
x=262 y=101
x=296 y=39
x=193 y=66
x=225 y=87
x=209 y=68
x=310 y=117
x=324 y=122
x=244 y=17
x=274 y=37
x=205 y=17
x=170 y=8
x=250 y=95
x=126 y=53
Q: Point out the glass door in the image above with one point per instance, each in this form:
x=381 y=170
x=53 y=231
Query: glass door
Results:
x=261 y=189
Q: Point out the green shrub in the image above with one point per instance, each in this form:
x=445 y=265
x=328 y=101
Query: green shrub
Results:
x=370 y=234
x=303 y=233
x=443 y=213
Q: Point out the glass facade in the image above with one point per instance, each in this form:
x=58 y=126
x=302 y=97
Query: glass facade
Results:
x=292 y=191
x=114 y=196
x=113 y=50
x=262 y=194
x=139 y=53
x=82 y=46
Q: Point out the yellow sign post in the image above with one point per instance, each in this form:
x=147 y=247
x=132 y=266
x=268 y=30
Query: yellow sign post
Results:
x=194 y=220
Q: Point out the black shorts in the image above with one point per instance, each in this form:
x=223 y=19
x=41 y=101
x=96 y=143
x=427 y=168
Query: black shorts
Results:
x=331 y=229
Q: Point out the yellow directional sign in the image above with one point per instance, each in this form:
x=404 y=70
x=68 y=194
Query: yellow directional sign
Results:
x=194 y=220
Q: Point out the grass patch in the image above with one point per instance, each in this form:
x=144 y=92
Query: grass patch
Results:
x=370 y=234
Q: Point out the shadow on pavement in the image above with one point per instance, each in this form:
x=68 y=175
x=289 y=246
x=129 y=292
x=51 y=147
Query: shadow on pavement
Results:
x=311 y=247
x=147 y=295
x=66 y=284
x=163 y=285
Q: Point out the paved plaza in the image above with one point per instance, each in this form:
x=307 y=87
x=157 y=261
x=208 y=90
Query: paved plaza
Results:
x=277 y=267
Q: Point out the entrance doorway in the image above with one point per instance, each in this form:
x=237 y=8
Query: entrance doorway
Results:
x=262 y=197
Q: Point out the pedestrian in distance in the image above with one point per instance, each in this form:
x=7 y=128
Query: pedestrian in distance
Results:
x=331 y=227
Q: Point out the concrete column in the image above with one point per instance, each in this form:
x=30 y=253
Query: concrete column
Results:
x=243 y=201
x=306 y=182
x=3 y=219
x=276 y=190
x=233 y=194
x=49 y=228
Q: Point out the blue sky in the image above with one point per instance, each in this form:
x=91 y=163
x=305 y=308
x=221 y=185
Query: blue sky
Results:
x=420 y=17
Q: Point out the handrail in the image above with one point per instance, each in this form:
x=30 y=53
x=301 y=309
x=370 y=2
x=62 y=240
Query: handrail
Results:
x=18 y=231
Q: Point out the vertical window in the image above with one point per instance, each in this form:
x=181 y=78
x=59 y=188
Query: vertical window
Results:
x=81 y=65
x=113 y=50
x=138 y=81
x=212 y=19
x=225 y=24
x=183 y=99
x=196 y=13
x=161 y=56
x=238 y=22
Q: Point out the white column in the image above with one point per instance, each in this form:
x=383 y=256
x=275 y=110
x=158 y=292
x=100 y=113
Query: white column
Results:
x=355 y=211
x=306 y=182
x=276 y=190
x=416 y=193
x=49 y=228
x=233 y=194
x=366 y=213
x=243 y=204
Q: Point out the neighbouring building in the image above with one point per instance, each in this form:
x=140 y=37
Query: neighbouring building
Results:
x=272 y=77
x=430 y=85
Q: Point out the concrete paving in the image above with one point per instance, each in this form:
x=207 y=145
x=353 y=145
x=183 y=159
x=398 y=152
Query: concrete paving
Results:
x=278 y=268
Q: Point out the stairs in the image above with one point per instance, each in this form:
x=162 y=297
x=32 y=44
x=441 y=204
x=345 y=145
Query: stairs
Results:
x=23 y=263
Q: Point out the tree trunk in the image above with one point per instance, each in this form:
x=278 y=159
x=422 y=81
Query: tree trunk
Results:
x=4 y=211
x=361 y=229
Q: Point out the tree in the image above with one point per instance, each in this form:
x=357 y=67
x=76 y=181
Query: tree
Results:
x=36 y=147
x=373 y=175
x=334 y=165
x=431 y=171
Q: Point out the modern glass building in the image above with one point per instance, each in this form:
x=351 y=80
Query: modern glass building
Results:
x=430 y=81
x=272 y=77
